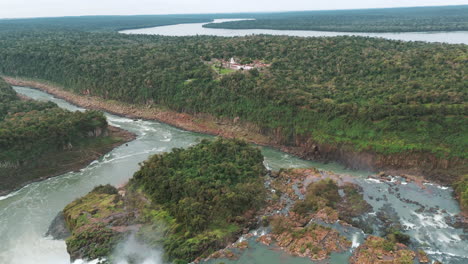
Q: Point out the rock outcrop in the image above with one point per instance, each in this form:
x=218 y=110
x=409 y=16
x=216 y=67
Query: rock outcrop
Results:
x=58 y=228
x=98 y=221
x=377 y=250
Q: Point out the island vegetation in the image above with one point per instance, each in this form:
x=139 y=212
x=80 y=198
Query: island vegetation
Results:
x=359 y=95
x=39 y=139
x=191 y=202
x=388 y=97
x=379 y=250
x=195 y=203
x=401 y=103
x=412 y=19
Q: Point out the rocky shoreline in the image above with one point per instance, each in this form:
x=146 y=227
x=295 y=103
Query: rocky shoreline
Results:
x=419 y=167
x=440 y=170
x=314 y=235
x=106 y=216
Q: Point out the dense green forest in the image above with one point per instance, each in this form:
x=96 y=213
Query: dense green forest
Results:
x=372 y=94
x=96 y=23
x=29 y=130
x=106 y=23
x=440 y=18
x=203 y=194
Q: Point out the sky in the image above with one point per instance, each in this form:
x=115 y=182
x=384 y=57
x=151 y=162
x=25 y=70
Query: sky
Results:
x=51 y=8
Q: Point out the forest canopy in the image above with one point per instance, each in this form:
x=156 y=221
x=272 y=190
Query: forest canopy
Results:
x=30 y=129
x=206 y=191
x=371 y=94
x=95 y=23
x=439 y=18
x=409 y=19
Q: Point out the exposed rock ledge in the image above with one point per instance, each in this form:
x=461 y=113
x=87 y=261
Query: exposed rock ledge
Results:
x=423 y=164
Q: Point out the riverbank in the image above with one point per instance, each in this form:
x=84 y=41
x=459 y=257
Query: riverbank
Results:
x=427 y=165
x=313 y=227
x=27 y=213
x=202 y=123
x=189 y=214
x=57 y=163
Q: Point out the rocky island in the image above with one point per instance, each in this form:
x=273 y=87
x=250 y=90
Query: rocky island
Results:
x=196 y=203
x=392 y=114
x=190 y=202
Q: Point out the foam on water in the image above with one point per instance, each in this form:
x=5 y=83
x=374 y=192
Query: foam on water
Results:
x=33 y=248
x=166 y=139
x=8 y=195
x=153 y=150
x=80 y=261
x=432 y=220
x=355 y=241
x=373 y=180
x=407 y=224
x=26 y=214
x=437 y=185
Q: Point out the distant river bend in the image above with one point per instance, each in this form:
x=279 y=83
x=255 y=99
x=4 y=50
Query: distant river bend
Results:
x=452 y=37
x=26 y=214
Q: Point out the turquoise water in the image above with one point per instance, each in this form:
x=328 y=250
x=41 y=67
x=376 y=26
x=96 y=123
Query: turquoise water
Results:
x=26 y=214
x=259 y=253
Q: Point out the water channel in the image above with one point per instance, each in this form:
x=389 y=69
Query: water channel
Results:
x=26 y=214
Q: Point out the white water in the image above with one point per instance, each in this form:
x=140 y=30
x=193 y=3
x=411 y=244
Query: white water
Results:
x=355 y=241
x=427 y=228
x=26 y=214
x=131 y=248
x=454 y=37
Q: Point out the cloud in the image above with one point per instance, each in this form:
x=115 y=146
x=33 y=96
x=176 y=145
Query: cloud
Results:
x=44 y=8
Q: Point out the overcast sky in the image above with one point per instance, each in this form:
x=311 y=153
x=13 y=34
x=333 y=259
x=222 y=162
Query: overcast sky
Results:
x=48 y=8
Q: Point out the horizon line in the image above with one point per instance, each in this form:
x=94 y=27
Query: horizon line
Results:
x=232 y=13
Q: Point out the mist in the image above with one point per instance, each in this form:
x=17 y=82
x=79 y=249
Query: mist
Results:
x=133 y=251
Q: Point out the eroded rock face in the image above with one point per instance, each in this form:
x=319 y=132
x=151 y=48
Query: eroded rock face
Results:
x=312 y=240
x=92 y=241
x=104 y=216
x=311 y=196
x=295 y=231
x=58 y=228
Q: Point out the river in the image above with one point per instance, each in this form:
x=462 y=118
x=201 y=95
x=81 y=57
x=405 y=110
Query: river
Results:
x=193 y=29
x=26 y=214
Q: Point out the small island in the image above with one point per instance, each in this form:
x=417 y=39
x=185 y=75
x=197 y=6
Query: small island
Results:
x=189 y=202
x=336 y=136
x=40 y=140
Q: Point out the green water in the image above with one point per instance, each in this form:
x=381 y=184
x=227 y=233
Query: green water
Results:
x=26 y=214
